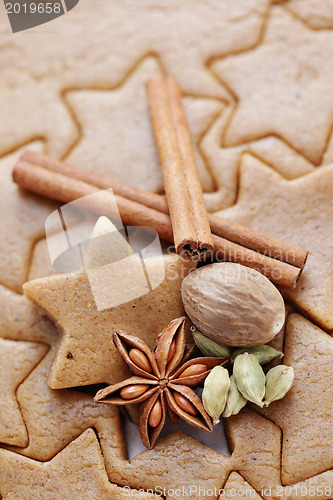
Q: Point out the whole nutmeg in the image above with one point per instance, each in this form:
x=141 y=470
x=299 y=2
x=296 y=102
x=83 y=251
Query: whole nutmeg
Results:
x=233 y=304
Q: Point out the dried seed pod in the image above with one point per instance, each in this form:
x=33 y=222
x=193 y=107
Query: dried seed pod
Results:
x=140 y=359
x=278 y=382
x=250 y=378
x=209 y=347
x=263 y=353
x=215 y=393
x=235 y=401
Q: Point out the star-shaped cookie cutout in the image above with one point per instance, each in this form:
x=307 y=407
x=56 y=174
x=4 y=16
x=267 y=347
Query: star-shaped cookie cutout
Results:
x=17 y=359
x=299 y=211
x=86 y=353
x=22 y=224
x=305 y=415
x=117 y=138
x=54 y=418
x=76 y=472
x=256 y=445
x=282 y=86
x=224 y=161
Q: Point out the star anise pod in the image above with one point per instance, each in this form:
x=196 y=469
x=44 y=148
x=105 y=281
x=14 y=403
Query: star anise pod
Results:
x=163 y=381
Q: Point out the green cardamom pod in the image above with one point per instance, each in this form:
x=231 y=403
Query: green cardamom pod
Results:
x=264 y=353
x=209 y=347
x=278 y=382
x=215 y=392
x=250 y=378
x=235 y=401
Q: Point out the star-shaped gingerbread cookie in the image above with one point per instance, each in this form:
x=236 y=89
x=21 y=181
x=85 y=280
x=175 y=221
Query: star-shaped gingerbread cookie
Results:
x=17 y=359
x=76 y=472
x=282 y=86
x=82 y=305
x=301 y=212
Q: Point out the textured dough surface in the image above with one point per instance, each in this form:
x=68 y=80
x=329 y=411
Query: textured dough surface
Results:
x=256 y=78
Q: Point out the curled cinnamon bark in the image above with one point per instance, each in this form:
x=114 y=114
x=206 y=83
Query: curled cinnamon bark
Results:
x=191 y=230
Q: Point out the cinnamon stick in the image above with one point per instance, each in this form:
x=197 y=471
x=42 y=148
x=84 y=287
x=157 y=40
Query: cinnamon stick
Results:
x=152 y=200
x=191 y=230
x=267 y=245
x=65 y=188
x=237 y=233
